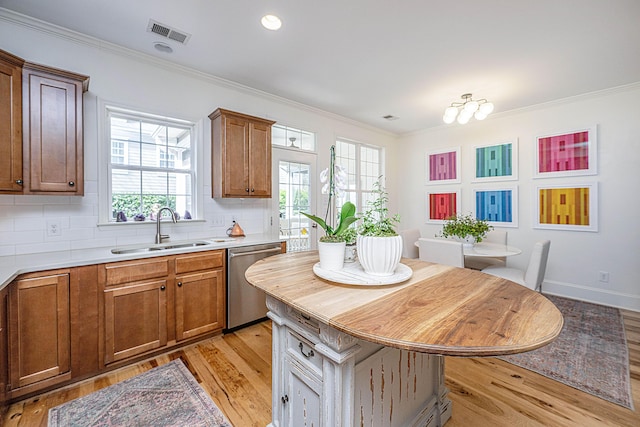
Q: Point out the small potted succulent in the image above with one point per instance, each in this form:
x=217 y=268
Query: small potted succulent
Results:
x=379 y=245
x=465 y=228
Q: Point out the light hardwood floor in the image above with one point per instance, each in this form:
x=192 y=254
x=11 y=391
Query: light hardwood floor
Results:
x=235 y=370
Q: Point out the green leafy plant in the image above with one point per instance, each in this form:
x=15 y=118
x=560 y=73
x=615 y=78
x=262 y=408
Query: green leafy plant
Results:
x=345 y=219
x=462 y=226
x=350 y=234
x=376 y=221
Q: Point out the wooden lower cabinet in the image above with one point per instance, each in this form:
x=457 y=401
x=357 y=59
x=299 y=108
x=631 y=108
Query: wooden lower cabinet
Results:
x=39 y=330
x=135 y=319
x=200 y=304
x=166 y=300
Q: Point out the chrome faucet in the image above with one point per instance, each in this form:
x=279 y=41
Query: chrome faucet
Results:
x=159 y=236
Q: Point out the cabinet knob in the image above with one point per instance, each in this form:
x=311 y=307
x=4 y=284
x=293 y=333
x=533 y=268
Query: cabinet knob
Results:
x=163 y=287
x=253 y=189
x=179 y=284
x=285 y=399
x=71 y=183
x=246 y=189
x=19 y=181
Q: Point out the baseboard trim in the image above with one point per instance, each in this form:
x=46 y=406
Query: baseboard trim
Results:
x=597 y=296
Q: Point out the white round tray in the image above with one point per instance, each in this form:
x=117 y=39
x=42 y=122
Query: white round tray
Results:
x=353 y=274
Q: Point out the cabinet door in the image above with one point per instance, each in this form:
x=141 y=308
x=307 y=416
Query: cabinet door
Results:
x=53 y=141
x=39 y=329
x=135 y=319
x=10 y=124
x=302 y=398
x=200 y=303
x=236 y=170
x=259 y=159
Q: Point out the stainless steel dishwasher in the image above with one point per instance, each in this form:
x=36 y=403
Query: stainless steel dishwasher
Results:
x=245 y=304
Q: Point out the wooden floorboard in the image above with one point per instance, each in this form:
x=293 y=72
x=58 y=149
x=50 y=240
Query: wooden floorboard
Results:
x=235 y=370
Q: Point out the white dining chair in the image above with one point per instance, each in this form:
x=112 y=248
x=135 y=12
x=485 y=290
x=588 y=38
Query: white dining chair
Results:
x=478 y=263
x=441 y=251
x=533 y=276
x=409 y=239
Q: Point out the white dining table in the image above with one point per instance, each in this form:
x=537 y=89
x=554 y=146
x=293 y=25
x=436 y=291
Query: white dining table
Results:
x=485 y=249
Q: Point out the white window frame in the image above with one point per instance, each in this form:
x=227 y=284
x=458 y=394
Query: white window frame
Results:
x=362 y=195
x=104 y=159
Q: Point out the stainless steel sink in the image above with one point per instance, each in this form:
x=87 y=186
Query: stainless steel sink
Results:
x=155 y=248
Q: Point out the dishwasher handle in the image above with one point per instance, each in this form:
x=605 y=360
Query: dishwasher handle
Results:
x=263 y=251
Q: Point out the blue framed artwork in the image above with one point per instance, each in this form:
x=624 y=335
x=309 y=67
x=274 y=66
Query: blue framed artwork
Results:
x=497 y=162
x=498 y=206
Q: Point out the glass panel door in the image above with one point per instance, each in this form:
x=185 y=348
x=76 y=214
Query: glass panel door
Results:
x=295 y=184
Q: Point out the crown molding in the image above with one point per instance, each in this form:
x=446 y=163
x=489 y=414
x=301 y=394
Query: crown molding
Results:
x=57 y=31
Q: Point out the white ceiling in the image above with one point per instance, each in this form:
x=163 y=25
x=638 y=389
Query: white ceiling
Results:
x=364 y=59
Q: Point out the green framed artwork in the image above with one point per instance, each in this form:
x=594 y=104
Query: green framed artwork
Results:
x=496 y=162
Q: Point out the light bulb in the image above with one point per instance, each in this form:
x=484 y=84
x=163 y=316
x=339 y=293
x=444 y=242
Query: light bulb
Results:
x=463 y=119
x=271 y=22
x=486 y=108
x=479 y=115
x=448 y=119
x=471 y=106
x=451 y=112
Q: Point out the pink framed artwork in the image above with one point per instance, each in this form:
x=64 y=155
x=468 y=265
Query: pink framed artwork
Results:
x=571 y=153
x=441 y=205
x=443 y=166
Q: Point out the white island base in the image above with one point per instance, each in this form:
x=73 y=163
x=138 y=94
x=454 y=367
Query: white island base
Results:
x=325 y=378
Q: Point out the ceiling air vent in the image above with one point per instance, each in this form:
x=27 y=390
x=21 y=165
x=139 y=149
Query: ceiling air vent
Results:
x=168 y=32
x=390 y=117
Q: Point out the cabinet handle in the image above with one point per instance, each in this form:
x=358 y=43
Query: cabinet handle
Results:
x=179 y=284
x=253 y=189
x=309 y=354
x=71 y=183
x=285 y=399
x=163 y=287
x=246 y=189
x=19 y=181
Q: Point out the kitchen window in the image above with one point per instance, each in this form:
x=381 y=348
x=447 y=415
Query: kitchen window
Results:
x=151 y=165
x=363 y=165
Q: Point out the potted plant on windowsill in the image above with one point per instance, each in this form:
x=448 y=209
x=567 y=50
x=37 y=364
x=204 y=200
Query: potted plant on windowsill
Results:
x=331 y=246
x=379 y=245
x=465 y=228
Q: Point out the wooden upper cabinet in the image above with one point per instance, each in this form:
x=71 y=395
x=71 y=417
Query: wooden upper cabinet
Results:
x=53 y=130
x=241 y=155
x=10 y=123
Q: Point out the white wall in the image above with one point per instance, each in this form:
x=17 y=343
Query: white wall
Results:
x=145 y=84
x=576 y=258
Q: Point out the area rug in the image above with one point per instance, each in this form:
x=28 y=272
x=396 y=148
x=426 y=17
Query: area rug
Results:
x=164 y=396
x=590 y=354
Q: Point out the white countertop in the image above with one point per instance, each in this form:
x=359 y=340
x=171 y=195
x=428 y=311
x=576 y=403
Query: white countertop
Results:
x=12 y=266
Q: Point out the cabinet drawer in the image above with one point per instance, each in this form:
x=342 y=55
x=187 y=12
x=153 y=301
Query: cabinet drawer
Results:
x=131 y=271
x=199 y=261
x=303 y=350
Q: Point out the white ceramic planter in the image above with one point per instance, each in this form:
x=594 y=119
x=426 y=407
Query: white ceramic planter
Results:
x=379 y=256
x=331 y=255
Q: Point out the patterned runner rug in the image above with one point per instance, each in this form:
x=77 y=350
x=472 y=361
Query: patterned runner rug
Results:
x=164 y=396
x=590 y=354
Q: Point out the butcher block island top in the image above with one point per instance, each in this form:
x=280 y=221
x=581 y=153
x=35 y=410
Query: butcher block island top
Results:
x=440 y=310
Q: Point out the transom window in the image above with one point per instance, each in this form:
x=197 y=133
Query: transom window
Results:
x=284 y=136
x=151 y=166
x=363 y=165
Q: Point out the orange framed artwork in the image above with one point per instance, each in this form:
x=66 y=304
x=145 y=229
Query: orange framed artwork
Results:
x=567 y=207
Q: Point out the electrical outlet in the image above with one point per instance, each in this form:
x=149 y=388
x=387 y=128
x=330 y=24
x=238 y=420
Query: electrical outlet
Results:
x=54 y=228
x=217 y=221
x=603 y=276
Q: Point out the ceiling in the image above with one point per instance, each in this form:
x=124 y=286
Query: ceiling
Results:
x=364 y=59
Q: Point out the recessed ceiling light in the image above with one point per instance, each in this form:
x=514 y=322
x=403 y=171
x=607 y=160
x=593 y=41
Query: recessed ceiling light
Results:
x=163 y=47
x=271 y=22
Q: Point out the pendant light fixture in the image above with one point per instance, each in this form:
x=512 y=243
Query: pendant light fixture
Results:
x=479 y=109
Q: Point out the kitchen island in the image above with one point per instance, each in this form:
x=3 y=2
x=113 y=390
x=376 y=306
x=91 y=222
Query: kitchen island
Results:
x=349 y=355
